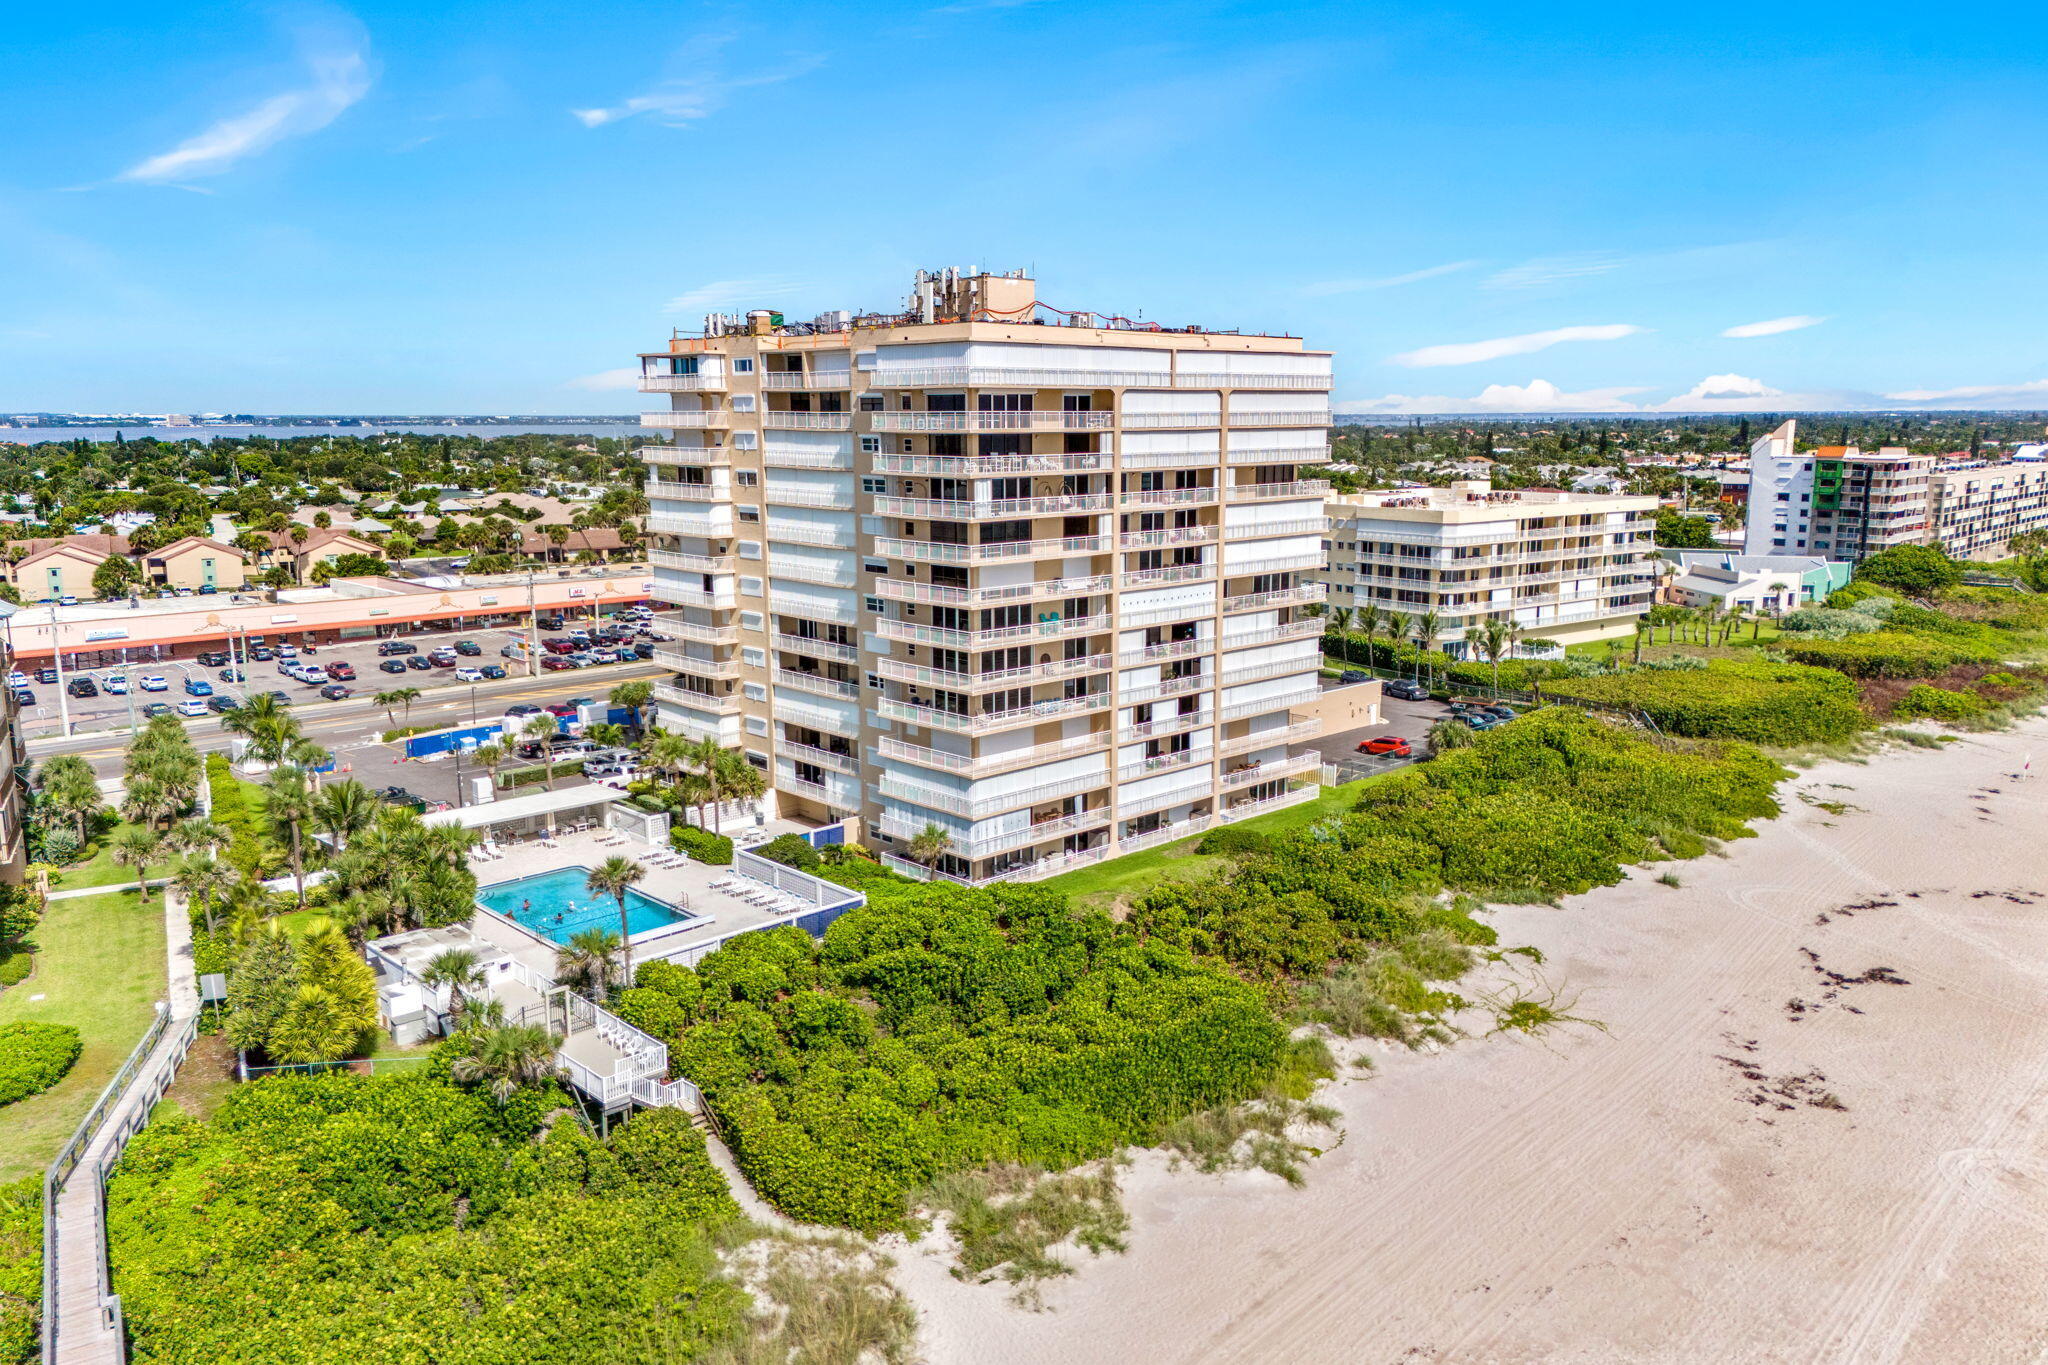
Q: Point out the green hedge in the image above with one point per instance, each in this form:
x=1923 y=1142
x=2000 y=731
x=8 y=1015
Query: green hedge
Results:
x=1755 y=701
x=1938 y=703
x=791 y=850
x=526 y=777
x=21 y=1270
x=16 y=962
x=34 y=1057
x=230 y=803
x=701 y=844
x=1888 y=654
x=1999 y=608
x=1518 y=675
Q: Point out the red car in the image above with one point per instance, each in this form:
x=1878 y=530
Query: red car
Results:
x=1392 y=745
x=555 y=661
x=341 y=672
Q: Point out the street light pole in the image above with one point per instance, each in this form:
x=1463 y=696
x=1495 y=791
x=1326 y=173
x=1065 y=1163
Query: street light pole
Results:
x=532 y=631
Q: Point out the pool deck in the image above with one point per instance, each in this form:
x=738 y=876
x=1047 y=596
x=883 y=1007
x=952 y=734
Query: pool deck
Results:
x=716 y=914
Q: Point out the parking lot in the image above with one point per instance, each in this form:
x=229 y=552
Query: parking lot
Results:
x=112 y=710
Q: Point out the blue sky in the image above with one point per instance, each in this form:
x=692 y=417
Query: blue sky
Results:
x=455 y=207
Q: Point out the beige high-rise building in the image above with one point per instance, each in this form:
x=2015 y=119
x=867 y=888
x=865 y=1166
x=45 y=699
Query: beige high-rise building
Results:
x=1037 y=578
x=1563 y=566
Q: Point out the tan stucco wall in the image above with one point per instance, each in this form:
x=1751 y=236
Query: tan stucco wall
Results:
x=1343 y=708
x=187 y=569
x=34 y=579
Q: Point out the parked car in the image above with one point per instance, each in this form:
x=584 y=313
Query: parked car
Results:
x=493 y=671
x=232 y=675
x=281 y=698
x=610 y=767
x=399 y=796
x=208 y=589
x=418 y=664
x=1479 y=720
x=438 y=659
x=391 y=665
x=155 y=682
x=561 y=710
x=67 y=600
x=220 y=705
x=337 y=691
x=46 y=675
x=213 y=658
x=558 y=646
x=156 y=708
x=1407 y=689
x=342 y=671
x=469 y=674
x=394 y=647
x=556 y=661
x=192 y=706
x=262 y=654
x=24 y=697
x=643 y=650
x=117 y=684
x=1354 y=675
x=198 y=687
x=287 y=652
x=469 y=649
x=82 y=687
x=1392 y=746
x=551 y=623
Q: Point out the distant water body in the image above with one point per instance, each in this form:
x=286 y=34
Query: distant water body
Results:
x=37 y=435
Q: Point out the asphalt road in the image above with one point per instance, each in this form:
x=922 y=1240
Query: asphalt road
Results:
x=353 y=726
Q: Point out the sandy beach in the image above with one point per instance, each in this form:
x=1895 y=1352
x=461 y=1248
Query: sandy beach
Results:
x=1815 y=1128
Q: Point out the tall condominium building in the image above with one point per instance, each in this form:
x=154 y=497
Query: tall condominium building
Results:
x=1978 y=509
x=1836 y=502
x=1563 y=566
x=13 y=762
x=1037 y=578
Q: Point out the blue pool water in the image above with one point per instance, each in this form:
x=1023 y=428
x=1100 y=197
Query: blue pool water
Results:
x=557 y=906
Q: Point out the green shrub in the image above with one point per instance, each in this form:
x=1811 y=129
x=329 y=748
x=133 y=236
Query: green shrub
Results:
x=1999 y=608
x=526 y=777
x=791 y=850
x=21 y=1270
x=1752 y=700
x=1938 y=703
x=1233 y=839
x=701 y=844
x=1828 y=623
x=1918 y=570
x=55 y=844
x=1865 y=599
x=1888 y=654
x=16 y=962
x=34 y=1057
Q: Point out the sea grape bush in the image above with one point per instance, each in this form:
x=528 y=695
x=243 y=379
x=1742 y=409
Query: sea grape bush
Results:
x=1756 y=701
x=34 y=1057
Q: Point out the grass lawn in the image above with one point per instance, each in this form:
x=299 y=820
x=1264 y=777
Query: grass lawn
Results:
x=1107 y=882
x=98 y=870
x=100 y=968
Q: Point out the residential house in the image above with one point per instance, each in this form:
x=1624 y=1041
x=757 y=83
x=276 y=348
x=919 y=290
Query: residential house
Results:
x=1770 y=585
x=319 y=545
x=197 y=562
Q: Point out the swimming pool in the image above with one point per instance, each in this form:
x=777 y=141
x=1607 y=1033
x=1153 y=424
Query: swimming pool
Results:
x=558 y=906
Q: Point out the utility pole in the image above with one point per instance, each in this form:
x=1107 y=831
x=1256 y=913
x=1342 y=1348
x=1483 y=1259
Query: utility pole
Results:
x=57 y=662
x=532 y=631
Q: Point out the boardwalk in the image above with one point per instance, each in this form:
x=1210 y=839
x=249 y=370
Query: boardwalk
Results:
x=81 y=1319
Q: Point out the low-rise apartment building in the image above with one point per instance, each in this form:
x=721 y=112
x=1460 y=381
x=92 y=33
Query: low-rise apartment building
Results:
x=1563 y=566
x=1039 y=579
x=1978 y=509
x=1769 y=585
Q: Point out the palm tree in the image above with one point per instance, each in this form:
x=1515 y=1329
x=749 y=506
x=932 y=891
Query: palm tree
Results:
x=68 y=785
x=1368 y=618
x=508 y=1057
x=490 y=757
x=634 y=696
x=541 y=729
x=705 y=757
x=693 y=791
x=1340 y=625
x=345 y=810
x=149 y=800
x=308 y=757
x=668 y=753
x=931 y=844
x=614 y=877
x=202 y=879
x=315 y=1027
x=586 y=959
x=605 y=733
x=289 y=803
x=1446 y=735
x=1494 y=638
x=459 y=971
x=730 y=776
x=397 y=697
x=1427 y=625
x=136 y=847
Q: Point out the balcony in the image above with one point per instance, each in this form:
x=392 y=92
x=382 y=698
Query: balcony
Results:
x=811 y=753
x=836 y=612
x=1308 y=627
x=986 y=466
x=1142 y=421
x=986 y=765
x=1310 y=526
x=817 y=684
x=1168 y=497
x=1262 y=739
x=677 y=559
x=715 y=523
x=681 y=383
x=831 y=499
x=938 y=552
x=694 y=457
x=1169 y=649
x=784 y=381
x=676 y=491
x=1164 y=763
x=990 y=722
x=726 y=704
x=1295 y=488
x=932 y=509
x=1309 y=382
x=1181 y=794
x=800 y=571
x=832 y=797
x=1054 y=420
x=816 y=649
x=694 y=666
x=808 y=533
x=926 y=676
x=987 y=376
x=1163 y=834
x=1244 y=810
x=680 y=596
x=807 y=459
x=710 y=635
x=891 y=629
x=1172 y=459
x=1278 y=668
x=954 y=803
x=1172 y=573
x=1307 y=418
x=1169 y=687
x=1169 y=725
x=1315 y=454
x=1022 y=837
x=1268 y=705
x=775 y=419
x=707 y=420
x=1173 y=535
x=904 y=590
x=1300 y=594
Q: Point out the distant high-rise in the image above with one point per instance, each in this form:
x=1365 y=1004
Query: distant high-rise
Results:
x=1037 y=578
x=1837 y=502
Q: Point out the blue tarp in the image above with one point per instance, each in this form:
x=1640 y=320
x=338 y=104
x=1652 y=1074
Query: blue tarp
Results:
x=447 y=741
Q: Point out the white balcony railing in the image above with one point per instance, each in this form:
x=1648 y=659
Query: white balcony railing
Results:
x=690 y=457
x=1216 y=380
x=1262 y=739
x=1172 y=535
x=1022 y=837
x=1293 y=488
x=986 y=466
x=811 y=753
x=831 y=499
x=1139 y=421
x=696 y=667
x=815 y=648
x=1313 y=454
x=933 y=509
x=816 y=683
x=708 y=419
x=1307 y=627
x=991 y=421
x=1279 y=597
x=782 y=381
x=809 y=533
x=694 y=597
x=777 y=420
x=1272 y=768
x=989 y=722
x=983 y=765
x=807 y=459
x=725 y=704
x=1308 y=417
x=1172 y=573
x=1309 y=526
x=1166 y=649
x=1164 y=763
x=889 y=628
x=1268 y=705
x=681 y=383
x=675 y=490
x=903 y=590
x=955 y=803
x=948 y=553
x=1168 y=497
x=840 y=613
x=803 y=571
x=710 y=635
x=717 y=521
x=679 y=559
x=924 y=675
x=1245 y=810
x=1169 y=687
x=986 y=376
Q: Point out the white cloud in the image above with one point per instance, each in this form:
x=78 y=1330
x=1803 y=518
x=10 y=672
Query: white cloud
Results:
x=1997 y=394
x=1472 y=352
x=1730 y=393
x=698 y=88
x=730 y=294
x=338 y=75
x=1545 y=271
x=607 y=381
x=1538 y=395
x=1773 y=326
x=1327 y=287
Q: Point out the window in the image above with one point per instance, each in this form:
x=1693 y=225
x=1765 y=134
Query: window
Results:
x=754 y=658
x=750 y=514
x=875 y=566
x=754 y=691
x=875 y=486
x=871 y=445
x=743 y=365
x=750 y=549
x=746 y=478
x=871 y=402
x=757 y=725
x=750 y=586
x=874 y=604
x=751 y=620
